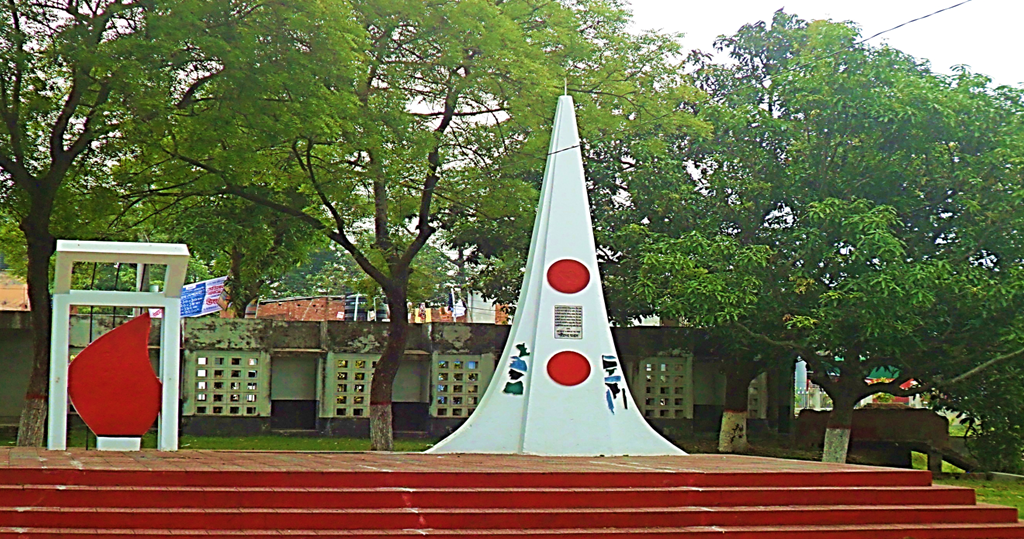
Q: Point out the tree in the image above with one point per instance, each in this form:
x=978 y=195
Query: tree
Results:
x=64 y=72
x=356 y=146
x=712 y=281
x=82 y=85
x=246 y=242
x=881 y=197
x=630 y=94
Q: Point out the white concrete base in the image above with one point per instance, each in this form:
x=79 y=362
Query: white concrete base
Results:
x=120 y=443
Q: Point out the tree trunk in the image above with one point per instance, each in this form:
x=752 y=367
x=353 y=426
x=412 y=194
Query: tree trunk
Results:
x=837 y=431
x=41 y=246
x=381 y=427
x=775 y=397
x=239 y=293
x=732 y=436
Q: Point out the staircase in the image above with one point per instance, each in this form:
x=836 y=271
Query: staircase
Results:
x=693 y=496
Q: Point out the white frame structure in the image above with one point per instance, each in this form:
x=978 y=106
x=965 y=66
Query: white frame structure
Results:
x=175 y=256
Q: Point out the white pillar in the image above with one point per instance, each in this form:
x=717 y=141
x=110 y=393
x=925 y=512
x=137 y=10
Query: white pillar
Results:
x=57 y=415
x=170 y=368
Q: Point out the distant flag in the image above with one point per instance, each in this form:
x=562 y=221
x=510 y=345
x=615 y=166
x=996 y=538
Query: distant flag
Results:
x=460 y=309
x=455 y=306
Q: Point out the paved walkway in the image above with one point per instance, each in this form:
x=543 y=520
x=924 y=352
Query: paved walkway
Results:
x=202 y=460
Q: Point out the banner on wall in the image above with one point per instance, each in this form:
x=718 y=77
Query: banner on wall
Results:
x=198 y=299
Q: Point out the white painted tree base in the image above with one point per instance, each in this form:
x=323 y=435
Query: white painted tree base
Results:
x=837 y=443
x=732 y=438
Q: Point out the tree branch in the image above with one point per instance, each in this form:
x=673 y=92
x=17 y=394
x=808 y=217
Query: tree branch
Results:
x=22 y=177
x=190 y=94
x=893 y=387
x=306 y=164
x=381 y=232
x=982 y=367
x=12 y=113
x=427 y=193
x=60 y=126
x=458 y=114
x=338 y=236
x=88 y=133
x=196 y=163
x=791 y=345
x=819 y=375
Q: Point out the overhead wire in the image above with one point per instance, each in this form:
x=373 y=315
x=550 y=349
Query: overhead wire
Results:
x=864 y=40
x=913 y=21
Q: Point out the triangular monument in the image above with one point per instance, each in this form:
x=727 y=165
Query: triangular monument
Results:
x=559 y=388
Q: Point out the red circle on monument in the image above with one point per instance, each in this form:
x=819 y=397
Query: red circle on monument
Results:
x=568 y=368
x=568 y=276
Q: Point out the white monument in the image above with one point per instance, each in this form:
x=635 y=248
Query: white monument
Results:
x=175 y=257
x=559 y=388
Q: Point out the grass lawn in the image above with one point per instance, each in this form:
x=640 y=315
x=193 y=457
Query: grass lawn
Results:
x=291 y=443
x=1009 y=493
x=920 y=462
x=77 y=438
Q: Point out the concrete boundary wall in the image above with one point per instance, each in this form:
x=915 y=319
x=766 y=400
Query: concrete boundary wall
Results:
x=430 y=382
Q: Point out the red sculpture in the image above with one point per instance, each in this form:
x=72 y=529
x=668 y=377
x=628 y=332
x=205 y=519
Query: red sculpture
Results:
x=112 y=384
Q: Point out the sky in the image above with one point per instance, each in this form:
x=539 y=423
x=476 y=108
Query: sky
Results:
x=984 y=34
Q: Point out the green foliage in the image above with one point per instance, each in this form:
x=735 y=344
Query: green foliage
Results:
x=992 y=408
x=67 y=74
x=12 y=245
x=326 y=272
x=630 y=95
x=331 y=272
x=850 y=207
x=345 y=124
x=709 y=281
x=246 y=242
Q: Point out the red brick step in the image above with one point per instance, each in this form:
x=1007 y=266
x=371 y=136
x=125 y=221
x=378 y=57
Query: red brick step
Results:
x=374 y=495
x=469 y=479
x=453 y=519
x=392 y=497
x=865 y=531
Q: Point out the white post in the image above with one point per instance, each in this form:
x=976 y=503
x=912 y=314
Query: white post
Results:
x=57 y=416
x=141 y=283
x=170 y=367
